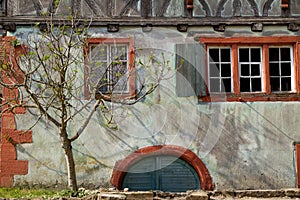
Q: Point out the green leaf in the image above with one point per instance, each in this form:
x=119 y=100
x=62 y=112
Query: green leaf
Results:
x=4 y=66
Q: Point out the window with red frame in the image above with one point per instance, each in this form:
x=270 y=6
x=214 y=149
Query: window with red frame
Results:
x=251 y=69
x=110 y=67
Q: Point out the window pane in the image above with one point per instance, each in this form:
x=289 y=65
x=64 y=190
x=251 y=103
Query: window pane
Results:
x=214 y=70
x=245 y=70
x=219 y=68
x=98 y=52
x=285 y=69
x=281 y=69
x=119 y=52
x=255 y=70
x=244 y=55
x=98 y=76
x=274 y=69
x=285 y=54
x=255 y=55
x=245 y=84
x=118 y=76
x=108 y=70
x=214 y=54
x=275 y=84
x=273 y=54
x=225 y=55
x=226 y=70
x=286 y=84
x=256 y=84
x=226 y=85
x=214 y=85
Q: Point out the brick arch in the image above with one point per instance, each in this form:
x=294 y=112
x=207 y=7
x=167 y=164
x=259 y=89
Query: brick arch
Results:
x=187 y=155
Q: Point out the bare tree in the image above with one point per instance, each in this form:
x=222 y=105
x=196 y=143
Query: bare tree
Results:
x=49 y=69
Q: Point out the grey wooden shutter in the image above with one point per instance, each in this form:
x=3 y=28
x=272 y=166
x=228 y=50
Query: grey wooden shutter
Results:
x=165 y=173
x=191 y=70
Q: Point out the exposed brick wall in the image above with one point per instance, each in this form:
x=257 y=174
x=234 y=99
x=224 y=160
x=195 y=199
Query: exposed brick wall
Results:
x=10 y=136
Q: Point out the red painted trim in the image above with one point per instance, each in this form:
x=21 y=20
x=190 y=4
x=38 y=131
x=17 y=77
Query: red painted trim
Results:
x=266 y=71
x=10 y=136
x=235 y=69
x=297 y=65
x=251 y=97
x=251 y=40
x=297 y=147
x=266 y=95
x=187 y=155
x=284 y=4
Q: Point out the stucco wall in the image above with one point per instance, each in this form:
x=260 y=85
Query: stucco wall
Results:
x=244 y=145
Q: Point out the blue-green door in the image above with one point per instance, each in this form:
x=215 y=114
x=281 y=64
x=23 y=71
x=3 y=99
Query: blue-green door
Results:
x=165 y=173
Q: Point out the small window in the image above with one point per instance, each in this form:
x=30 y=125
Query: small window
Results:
x=281 y=71
x=220 y=70
x=110 y=67
x=250 y=69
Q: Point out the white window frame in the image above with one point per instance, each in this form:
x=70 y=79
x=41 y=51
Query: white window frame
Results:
x=109 y=60
x=293 y=85
x=220 y=62
x=261 y=76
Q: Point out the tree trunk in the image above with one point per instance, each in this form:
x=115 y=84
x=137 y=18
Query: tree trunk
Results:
x=67 y=146
x=72 y=182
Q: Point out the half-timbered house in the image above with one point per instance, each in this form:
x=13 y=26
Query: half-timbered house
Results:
x=227 y=119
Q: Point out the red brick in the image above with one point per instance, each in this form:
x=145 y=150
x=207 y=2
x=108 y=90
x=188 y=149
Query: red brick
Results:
x=8 y=122
x=6 y=180
x=10 y=94
x=14 y=167
x=7 y=152
x=19 y=136
x=20 y=110
x=9 y=166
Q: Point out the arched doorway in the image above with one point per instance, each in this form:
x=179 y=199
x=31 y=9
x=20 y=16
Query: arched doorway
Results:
x=164 y=167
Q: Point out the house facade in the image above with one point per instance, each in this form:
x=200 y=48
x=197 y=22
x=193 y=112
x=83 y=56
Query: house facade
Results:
x=226 y=118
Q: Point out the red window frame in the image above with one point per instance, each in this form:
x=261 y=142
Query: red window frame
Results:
x=264 y=42
x=131 y=68
x=297 y=164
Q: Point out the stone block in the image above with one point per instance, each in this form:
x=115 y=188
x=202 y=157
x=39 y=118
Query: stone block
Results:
x=8 y=122
x=14 y=167
x=110 y=196
x=197 y=195
x=6 y=180
x=292 y=192
x=139 y=195
x=259 y=193
x=7 y=152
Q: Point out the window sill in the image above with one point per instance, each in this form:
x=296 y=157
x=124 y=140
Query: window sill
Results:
x=250 y=97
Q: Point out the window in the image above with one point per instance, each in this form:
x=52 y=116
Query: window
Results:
x=281 y=71
x=109 y=67
x=2 y=7
x=220 y=70
x=252 y=69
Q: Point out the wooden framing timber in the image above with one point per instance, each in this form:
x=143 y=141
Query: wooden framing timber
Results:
x=161 y=21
